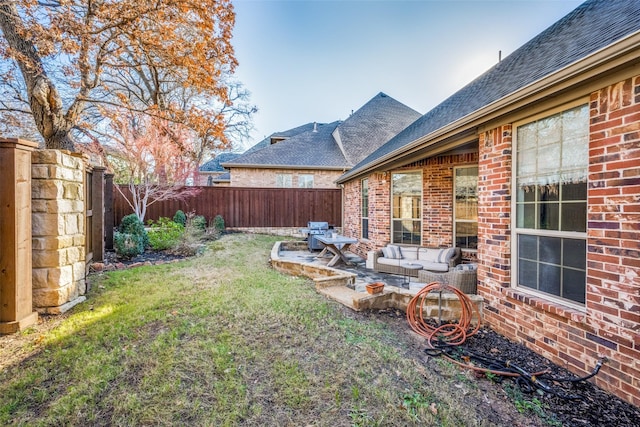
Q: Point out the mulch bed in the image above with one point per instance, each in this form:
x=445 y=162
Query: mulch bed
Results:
x=589 y=405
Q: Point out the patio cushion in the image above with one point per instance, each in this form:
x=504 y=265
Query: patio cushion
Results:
x=392 y=252
x=387 y=261
x=436 y=255
x=410 y=252
x=466 y=267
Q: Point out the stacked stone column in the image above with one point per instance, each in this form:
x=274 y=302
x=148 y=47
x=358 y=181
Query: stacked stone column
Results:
x=58 y=219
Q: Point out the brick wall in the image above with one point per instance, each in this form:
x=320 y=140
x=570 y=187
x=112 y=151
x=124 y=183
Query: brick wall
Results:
x=610 y=325
x=437 y=203
x=254 y=177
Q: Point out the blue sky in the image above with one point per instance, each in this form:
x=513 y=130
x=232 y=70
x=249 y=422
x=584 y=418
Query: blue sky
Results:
x=317 y=60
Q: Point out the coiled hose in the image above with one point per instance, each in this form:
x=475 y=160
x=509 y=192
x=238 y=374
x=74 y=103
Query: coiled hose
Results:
x=442 y=340
x=449 y=333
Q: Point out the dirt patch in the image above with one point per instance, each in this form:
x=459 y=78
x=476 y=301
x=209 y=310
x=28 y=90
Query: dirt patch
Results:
x=563 y=403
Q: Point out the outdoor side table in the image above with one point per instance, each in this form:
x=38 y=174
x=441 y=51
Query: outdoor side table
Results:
x=408 y=266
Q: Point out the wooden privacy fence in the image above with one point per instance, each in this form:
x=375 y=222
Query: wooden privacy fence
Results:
x=247 y=207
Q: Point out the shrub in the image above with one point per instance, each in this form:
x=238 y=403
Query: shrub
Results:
x=180 y=218
x=131 y=224
x=218 y=223
x=165 y=234
x=127 y=245
x=199 y=222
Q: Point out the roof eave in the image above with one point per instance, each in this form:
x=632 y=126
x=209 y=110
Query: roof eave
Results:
x=625 y=51
x=304 y=167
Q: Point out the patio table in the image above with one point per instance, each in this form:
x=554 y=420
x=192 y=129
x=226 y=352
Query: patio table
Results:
x=336 y=245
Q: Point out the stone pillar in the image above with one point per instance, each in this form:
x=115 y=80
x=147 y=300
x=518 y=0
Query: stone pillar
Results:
x=16 y=304
x=58 y=231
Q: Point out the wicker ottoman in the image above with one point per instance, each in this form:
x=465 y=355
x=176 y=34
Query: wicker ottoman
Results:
x=464 y=280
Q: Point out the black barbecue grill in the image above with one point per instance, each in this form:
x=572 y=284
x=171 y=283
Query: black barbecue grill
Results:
x=315 y=228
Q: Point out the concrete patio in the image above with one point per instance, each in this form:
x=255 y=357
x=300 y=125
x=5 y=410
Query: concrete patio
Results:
x=346 y=283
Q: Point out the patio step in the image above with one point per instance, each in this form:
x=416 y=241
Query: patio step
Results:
x=340 y=294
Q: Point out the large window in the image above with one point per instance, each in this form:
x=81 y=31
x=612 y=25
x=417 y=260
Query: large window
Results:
x=551 y=203
x=465 y=211
x=364 y=204
x=406 y=202
x=305 y=181
x=283 y=180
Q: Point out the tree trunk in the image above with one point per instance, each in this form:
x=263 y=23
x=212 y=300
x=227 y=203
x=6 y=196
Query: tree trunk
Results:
x=44 y=99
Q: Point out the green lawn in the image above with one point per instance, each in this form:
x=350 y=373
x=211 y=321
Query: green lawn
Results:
x=222 y=339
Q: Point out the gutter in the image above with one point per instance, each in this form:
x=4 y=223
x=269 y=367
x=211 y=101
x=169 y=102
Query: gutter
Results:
x=263 y=166
x=622 y=52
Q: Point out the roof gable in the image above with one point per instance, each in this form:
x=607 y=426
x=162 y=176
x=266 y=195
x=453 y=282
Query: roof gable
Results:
x=372 y=125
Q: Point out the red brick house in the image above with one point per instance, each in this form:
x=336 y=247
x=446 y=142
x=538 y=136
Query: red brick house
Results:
x=534 y=170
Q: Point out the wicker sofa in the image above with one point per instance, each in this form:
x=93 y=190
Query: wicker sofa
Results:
x=463 y=277
x=391 y=258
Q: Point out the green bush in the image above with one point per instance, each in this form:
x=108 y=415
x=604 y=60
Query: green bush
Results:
x=131 y=224
x=180 y=218
x=164 y=234
x=218 y=223
x=127 y=245
x=199 y=222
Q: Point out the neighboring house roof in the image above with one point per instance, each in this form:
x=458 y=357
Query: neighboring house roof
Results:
x=337 y=145
x=224 y=177
x=591 y=27
x=372 y=125
x=310 y=149
x=280 y=135
x=215 y=164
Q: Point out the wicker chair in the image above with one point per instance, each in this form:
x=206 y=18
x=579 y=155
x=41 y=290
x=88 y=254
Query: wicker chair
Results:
x=464 y=280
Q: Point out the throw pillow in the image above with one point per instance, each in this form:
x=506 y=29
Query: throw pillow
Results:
x=392 y=252
x=467 y=267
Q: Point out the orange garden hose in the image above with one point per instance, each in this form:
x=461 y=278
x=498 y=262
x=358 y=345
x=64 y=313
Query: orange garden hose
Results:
x=450 y=334
x=445 y=336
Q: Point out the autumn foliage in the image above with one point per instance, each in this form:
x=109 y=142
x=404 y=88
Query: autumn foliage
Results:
x=158 y=57
x=153 y=157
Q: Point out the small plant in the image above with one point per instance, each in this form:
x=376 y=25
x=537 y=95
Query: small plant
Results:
x=199 y=222
x=180 y=218
x=127 y=245
x=416 y=402
x=131 y=224
x=164 y=234
x=218 y=223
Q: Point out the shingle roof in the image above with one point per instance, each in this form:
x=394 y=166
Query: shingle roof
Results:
x=306 y=149
x=372 y=125
x=590 y=27
x=215 y=164
x=337 y=145
x=284 y=134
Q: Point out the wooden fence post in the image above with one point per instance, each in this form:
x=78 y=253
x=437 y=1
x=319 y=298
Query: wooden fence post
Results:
x=108 y=211
x=97 y=229
x=16 y=293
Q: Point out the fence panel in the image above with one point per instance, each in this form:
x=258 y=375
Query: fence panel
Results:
x=247 y=207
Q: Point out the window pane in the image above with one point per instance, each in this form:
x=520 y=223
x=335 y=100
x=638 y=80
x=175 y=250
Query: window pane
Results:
x=574 y=284
x=527 y=216
x=574 y=191
x=549 y=279
x=528 y=246
x=467 y=235
x=548 y=216
x=527 y=273
x=550 y=249
x=574 y=217
x=406 y=190
x=574 y=253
